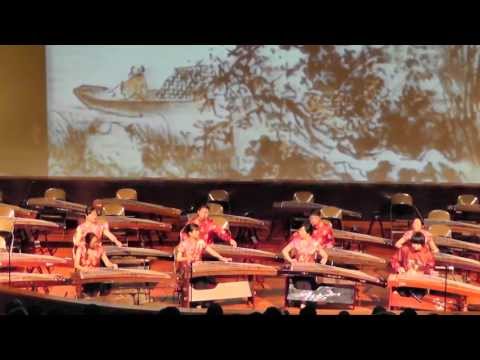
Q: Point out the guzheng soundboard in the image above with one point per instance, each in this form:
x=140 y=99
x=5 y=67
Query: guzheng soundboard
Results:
x=356 y=258
x=458 y=294
x=125 y=222
x=31 y=223
x=27 y=280
x=118 y=276
x=352 y=236
x=137 y=252
x=294 y=206
x=314 y=269
x=230 y=251
x=21 y=212
x=458 y=262
x=140 y=207
x=448 y=242
x=58 y=205
x=218 y=268
x=31 y=260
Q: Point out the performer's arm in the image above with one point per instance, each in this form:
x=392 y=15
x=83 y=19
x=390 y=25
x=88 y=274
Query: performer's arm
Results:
x=432 y=245
x=112 y=237
x=179 y=255
x=215 y=254
x=286 y=253
x=77 y=261
x=396 y=262
x=406 y=237
x=330 y=238
x=429 y=264
x=107 y=262
x=225 y=235
x=77 y=237
x=323 y=254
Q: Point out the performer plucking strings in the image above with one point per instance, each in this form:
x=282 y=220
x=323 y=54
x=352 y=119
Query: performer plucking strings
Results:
x=306 y=250
x=414 y=257
x=417 y=228
x=89 y=255
x=92 y=225
x=322 y=230
x=208 y=228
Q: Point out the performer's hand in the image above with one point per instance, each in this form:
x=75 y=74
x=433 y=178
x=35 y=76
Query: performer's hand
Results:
x=119 y=244
x=401 y=270
x=224 y=259
x=233 y=243
x=324 y=261
x=114 y=266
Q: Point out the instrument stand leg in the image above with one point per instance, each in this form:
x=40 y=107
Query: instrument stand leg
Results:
x=376 y=218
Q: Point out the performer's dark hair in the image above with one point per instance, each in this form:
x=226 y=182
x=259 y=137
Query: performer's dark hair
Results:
x=202 y=206
x=316 y=212
x=308 y=228
x=88 y=239
x=190 y=227
x=418 y=238
x=89 y=209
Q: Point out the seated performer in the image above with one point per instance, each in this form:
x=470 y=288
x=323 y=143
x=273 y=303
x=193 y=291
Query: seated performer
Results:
x=417 y=227
x=92 y=225
x=414 y=257
x=190 y=250
x=306 y=249
x=322 y=230
x=89 y=255
x=208 y=229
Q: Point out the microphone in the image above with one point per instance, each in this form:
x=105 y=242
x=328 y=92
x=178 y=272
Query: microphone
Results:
x=449 y=268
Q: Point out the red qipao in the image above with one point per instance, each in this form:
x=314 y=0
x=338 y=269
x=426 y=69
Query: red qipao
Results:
x=208 y=230
x=323 y=232
x=191 y=249
x=306 y=251
x=90 y=258
x=410 y=259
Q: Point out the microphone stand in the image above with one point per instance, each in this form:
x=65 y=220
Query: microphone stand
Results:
x=10 y=261
x=445 y=292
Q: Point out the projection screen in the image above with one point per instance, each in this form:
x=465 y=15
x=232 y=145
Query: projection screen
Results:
x=378 y=113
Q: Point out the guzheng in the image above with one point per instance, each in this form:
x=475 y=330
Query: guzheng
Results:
x=140 y=207
x=230 y=251
x=435 y=283
x=330 y=271
x=301 y=206
x=58 y=205
x=239 y=221
x=118 y=276
x=456 y=226
x=457 y=261
x=31 y=260
x=31 y=223
x=456 y=244
x=136 y=252
x=28 y=280
x=243 y=221
x=218 y=268
x=348 y=257
x=21 y=212
x=125 y=222
x=475 y=208
x=347 y=235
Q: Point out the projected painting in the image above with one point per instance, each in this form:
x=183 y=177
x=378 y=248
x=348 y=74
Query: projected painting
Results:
x=309 y=112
